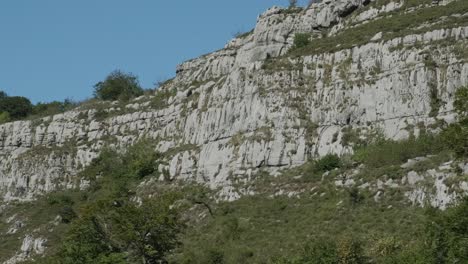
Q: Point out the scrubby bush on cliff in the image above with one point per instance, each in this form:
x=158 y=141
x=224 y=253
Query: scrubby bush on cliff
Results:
x=301 y=40
x=327 y=163
x=118 y=86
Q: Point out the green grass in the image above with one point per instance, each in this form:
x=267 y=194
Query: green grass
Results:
x=259 y=229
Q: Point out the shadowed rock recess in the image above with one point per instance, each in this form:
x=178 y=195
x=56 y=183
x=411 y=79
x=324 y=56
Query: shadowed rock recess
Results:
x=262 y=103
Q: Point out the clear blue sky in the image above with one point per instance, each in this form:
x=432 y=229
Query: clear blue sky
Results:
x=57 y=49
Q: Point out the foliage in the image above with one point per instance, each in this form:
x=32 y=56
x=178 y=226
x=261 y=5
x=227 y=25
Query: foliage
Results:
x=461 y=101
x=313 y=170
x=301 y=40
x=449 y=234
x=53 y=108
x=286 y=224
x=4 y=117
x=118 y=86
x=455 y=136
x=123 y=232
x=162 y=96
x=16 y=106
x=106 y=224
x=327 y=163
x=388 y=152
x=320 y=251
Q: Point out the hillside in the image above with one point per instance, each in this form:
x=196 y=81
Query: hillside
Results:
x=334 y=131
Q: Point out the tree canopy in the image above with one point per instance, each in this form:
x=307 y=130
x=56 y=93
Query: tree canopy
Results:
x=118 y=86
x=15 y=106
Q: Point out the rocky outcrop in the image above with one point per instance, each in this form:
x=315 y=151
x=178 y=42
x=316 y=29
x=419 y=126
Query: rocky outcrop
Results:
x=231 y=112
x=30 y=246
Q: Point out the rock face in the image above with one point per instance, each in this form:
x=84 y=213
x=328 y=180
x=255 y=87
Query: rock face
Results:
x=248 y=106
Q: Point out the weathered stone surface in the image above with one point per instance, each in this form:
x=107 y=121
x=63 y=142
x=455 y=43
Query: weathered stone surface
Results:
x=229 y=115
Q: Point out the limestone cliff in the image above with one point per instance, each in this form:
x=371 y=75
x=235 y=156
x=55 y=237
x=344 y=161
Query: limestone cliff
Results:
x=255 y=104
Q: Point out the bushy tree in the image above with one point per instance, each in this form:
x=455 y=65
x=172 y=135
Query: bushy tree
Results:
x=111 y=227
x=108 y=232
x=118 y=86
x=16 y=106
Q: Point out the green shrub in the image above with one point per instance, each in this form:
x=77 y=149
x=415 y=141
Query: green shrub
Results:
x=455 y=136
x=461 y=101
x=389 y=152
x=327 y=163
x=59 y=198
x=214 y=256
x=141 y=159
x=107 y=226
x=350 y=251
x=118 y=86
x=67 y=214
x=321 y=251
x=301 y=40
x=449 y=234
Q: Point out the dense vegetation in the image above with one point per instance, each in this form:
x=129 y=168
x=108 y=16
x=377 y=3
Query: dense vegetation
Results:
x=105 y=225
x=117 y=86
x=14 y=108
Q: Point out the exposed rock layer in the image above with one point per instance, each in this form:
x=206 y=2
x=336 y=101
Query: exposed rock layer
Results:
x=233 y=111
